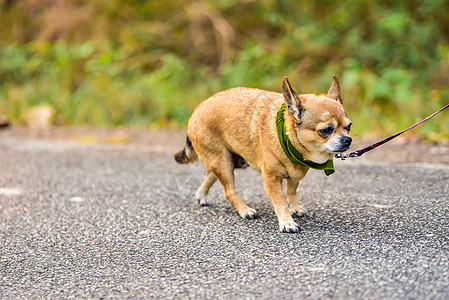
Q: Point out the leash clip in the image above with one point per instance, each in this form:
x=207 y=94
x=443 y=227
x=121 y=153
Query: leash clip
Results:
x=344 y=156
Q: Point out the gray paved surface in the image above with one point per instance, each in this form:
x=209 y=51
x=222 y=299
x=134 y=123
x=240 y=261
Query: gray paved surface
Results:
x=103 y=221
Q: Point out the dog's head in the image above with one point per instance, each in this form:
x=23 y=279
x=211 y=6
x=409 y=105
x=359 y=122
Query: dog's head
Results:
x=320 y=122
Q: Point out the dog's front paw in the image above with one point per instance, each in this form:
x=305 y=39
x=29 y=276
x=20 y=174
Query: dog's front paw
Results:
x=297 y=211
x=289 y=227
x=248 y=213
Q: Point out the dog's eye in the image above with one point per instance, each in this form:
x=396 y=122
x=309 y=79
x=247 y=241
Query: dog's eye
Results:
x=348 y=128
x=327 y=130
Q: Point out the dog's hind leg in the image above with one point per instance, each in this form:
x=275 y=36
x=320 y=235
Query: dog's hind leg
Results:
x=223 y=169
x=203 y=190
x=295 y=209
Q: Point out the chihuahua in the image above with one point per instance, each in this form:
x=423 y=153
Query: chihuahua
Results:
x=279 y=135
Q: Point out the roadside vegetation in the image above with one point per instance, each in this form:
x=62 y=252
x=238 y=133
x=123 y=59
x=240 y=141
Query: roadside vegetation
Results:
x=149 y=63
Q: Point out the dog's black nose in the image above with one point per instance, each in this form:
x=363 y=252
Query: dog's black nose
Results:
x=346 y=140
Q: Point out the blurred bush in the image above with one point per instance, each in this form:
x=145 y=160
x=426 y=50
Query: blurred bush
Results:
x=149 y=63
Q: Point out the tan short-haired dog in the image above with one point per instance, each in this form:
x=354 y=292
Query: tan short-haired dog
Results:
x=244 y=126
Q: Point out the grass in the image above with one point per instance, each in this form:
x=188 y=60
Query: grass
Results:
x=88 y=85
x=149 y=63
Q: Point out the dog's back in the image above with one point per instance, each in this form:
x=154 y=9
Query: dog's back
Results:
x=234 y=119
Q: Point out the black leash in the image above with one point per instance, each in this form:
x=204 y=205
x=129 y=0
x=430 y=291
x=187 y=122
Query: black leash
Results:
x=360 y=152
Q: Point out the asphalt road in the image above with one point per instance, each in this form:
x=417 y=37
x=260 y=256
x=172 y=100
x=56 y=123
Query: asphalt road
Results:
x=92 y=221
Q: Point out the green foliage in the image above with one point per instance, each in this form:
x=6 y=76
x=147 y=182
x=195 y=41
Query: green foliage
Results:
x=149 y=63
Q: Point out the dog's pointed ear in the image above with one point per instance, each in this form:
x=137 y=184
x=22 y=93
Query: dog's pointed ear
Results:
x=293 y=101
x=334 y=91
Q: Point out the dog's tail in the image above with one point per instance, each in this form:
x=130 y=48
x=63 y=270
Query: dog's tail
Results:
x=186 y=155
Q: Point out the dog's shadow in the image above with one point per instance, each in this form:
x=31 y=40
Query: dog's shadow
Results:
x=266 y=220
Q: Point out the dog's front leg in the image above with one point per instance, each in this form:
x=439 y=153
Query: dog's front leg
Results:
x=273 y=188
x=296 y=210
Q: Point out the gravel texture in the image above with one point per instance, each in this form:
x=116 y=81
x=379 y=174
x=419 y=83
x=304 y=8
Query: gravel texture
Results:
x=102 y=221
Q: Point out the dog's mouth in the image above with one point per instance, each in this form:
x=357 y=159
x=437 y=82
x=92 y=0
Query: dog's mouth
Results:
x=342 y=149
x=341 y=145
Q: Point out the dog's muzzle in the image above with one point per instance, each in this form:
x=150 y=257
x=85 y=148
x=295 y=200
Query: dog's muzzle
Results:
x=344 y=143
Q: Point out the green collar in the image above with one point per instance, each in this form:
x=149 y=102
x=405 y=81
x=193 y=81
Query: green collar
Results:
x=292 y=153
